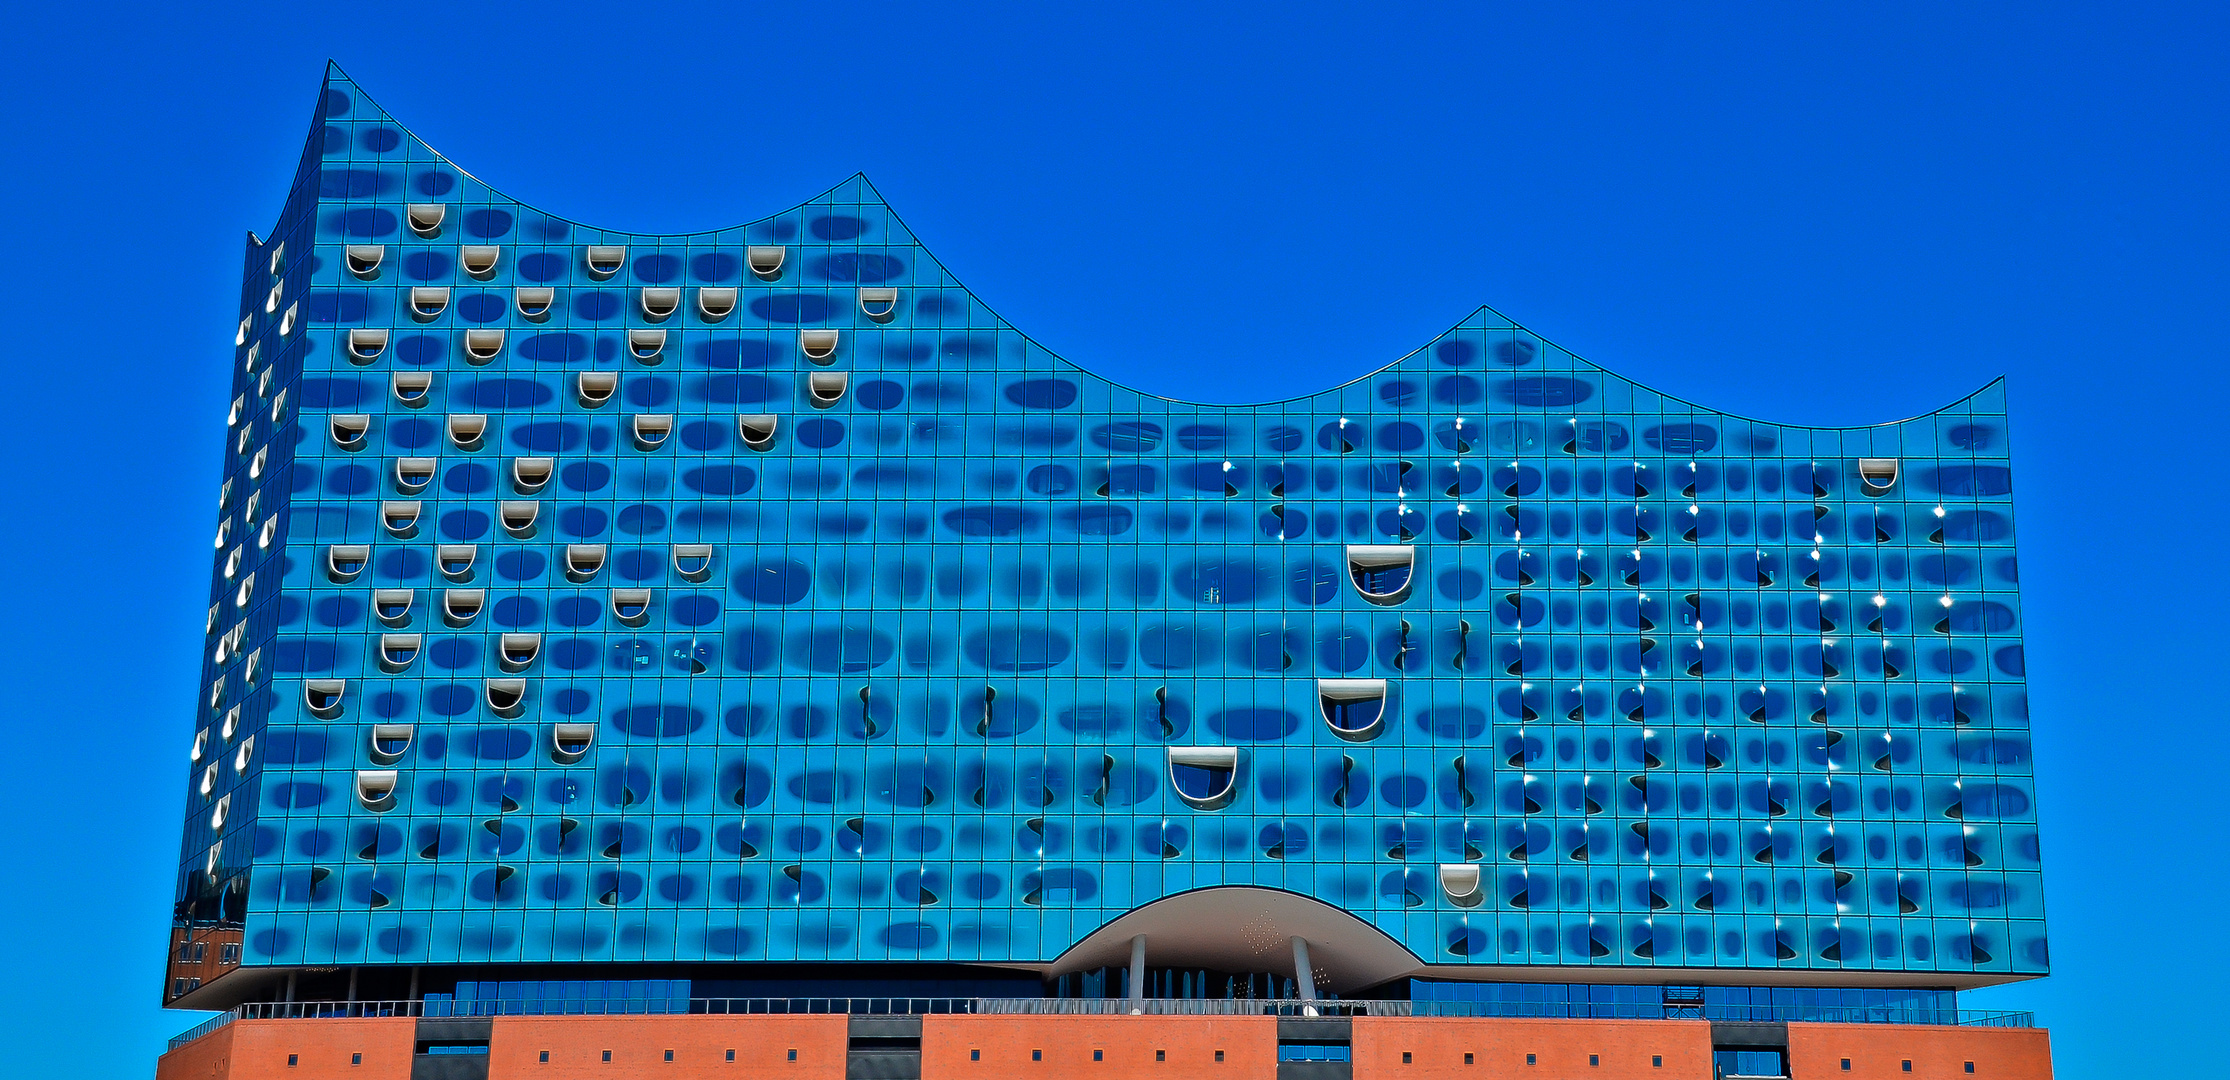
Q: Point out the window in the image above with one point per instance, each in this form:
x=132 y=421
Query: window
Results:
x=1219 y=1057
x=392 y=606
x=1970 y=1066
x=607 y=1055
x=343 y=562
x=483 y=345
x=766 y=261
x=975 y=1055
x=401 y=518
x=1594 y=1060
x=693 y=562
x=467 y=429
x=516 y=651
x=1355 y=709
x=291 y=1059
x=412 y=474
x=356 y=1059
x=1405 y=1057
x=364 y=259
x=757 y=430
x=669 y=1055
x=535 y=302
x=631 y=607
x=1161 y=1055
x=1657 y=1061
x=715 y=304
x=659 y=302
x=1202 y=775
x=459 y=607
x=569 y=743
x=878 y=303
x=1037 y=1055
x=1096 y=1057
x=375 y=788
x=479 y=259
x=652 y=429
x=1529 y=1059
x=1467 y=1059
x=396 y=651
x=545 y=1057
x=793 y=1054
x=365 y=346
x=1846 y=1064
x=1908 y=1065
x=731 y=1055
x=605 y=260
x=455 y=560
x=427 y=302
x=595 y=387
x=645 y=345
x=1381 y=572
x=530 y=474
x=506 y=697
x=411 y=387
x=519 y=517
x=228 y=953
x=826 y=388
x=818 y=345
x=425 y=218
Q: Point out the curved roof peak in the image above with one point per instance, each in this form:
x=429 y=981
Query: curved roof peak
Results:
x=358 y=150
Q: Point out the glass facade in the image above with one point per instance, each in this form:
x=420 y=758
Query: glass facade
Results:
x=759 y=595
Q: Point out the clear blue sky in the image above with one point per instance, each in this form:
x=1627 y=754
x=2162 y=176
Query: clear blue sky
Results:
x=1813 y=213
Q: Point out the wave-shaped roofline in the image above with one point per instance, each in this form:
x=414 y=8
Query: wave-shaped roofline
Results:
x=334 y=72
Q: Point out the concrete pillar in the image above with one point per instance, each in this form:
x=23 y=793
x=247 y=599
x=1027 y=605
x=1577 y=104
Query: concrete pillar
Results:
x=290 y=987
x=1138 y=975
x=1304 y=977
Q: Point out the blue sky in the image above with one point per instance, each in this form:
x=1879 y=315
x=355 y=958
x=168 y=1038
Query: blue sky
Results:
x=1808 y=213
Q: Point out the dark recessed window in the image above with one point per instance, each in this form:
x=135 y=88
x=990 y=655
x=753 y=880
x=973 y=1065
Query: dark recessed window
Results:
x=1161 y=1055
x=1529 y=1059
x=1594 y=1060
x=1970 y=1066
x=975 y=1055
x=291 y=1059
x=358 y=1059
x=1096 y=1057
x=669 y=1055
x=1405 y=1057
x=1467 y=1059
x=1037 y=1055
x=731 y=1055
x=1219 y=1055
x=545 y=1057
x=607 y=1055
x=1908 y=1065
x=793 y=1054
x=1657 y=1061
x=1846 y=1064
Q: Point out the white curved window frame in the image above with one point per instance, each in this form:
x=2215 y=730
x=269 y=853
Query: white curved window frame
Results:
x=766 y=260
x=271 y=299
x=483 y=344
x=693 y=562
x=1213 y=758
x=323 y=698
x=480 y=260
x=1460 y=883
x=411 y=389
x=245 y=756
x=529 y=475
x=826 y=388
x=427 y=302
x=534 y=301
x=646 y=345
x=658 y=302
x=426 y=218
x=1365 y=558
x=650 y=430
x=467 y=430
x=239 y=409
x=631 y=607
x=516 y=651
x=201 y=746
x=459 y=607
x=879 y=303
x=375 y=788
x=346 y=562
x=232 y=717
x=398 y=651
x=757 y=429
x=506 y=697
x=413 y=474
x=366 y=344
x=455 y=561
x=350 y=431
x=364 y=260
x=1334 y=695
x=583 y=561
x=286 y=320
x=570 y=742
x=604 y=260
x=715 y=303
x=392 y=606
x=389 y=742
x=819 y=344
x=594 y=388
x=223 y=810
x=519 y=517
x=1878 y=475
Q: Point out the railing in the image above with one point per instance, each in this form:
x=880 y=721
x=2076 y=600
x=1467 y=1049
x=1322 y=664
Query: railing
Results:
x=839 y=1006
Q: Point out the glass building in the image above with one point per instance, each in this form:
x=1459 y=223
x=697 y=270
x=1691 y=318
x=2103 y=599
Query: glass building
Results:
x=606 y=622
